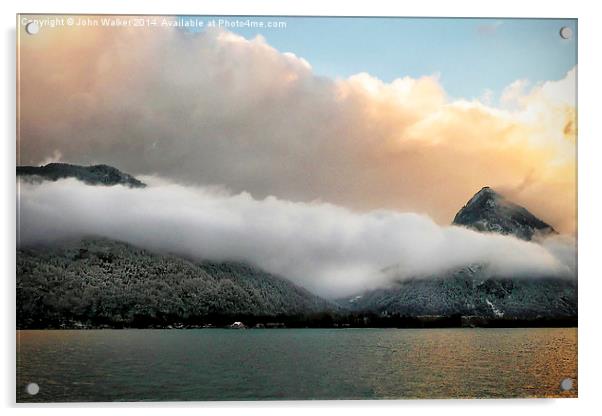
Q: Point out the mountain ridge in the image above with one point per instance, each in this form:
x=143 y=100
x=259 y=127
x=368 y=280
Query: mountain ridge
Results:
x=92 y=175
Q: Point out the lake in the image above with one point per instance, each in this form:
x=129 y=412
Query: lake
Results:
x=289 y=364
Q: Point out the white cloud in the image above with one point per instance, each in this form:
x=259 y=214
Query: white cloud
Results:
x=326 y=248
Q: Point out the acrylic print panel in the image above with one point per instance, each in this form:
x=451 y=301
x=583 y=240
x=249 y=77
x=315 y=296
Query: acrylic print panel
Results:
x=276 y=208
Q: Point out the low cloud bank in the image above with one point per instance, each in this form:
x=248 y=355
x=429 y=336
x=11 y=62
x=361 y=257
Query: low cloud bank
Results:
x=327 y=249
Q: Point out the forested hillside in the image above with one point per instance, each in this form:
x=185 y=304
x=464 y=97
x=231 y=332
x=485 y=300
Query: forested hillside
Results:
x=102 y=282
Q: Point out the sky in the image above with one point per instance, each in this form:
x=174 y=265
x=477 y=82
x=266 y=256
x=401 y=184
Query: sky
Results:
x=471 y=56
x=326 y=141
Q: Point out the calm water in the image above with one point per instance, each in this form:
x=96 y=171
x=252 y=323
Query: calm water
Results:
x=216 y=364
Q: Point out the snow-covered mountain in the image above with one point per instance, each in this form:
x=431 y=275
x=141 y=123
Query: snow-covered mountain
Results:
x=490 y=212
x=473 y=290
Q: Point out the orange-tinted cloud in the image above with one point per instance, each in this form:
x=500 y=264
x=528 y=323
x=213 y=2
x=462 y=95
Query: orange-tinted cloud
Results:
x=215 y=108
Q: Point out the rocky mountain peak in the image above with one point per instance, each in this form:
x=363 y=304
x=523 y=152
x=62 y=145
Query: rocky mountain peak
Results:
x=490 y=211
x=92 y=175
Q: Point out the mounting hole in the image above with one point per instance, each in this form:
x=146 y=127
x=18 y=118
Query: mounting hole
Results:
x=32 y=389
x=566 y=32
x=32 y=28
x=566 y=384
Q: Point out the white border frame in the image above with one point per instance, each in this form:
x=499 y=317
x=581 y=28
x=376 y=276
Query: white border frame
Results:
x=590 y=208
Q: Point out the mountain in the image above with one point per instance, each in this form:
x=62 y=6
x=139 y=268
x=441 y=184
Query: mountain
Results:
x=490 y=212
x=470 y=291
x=92 y=175
x=97 y=281
x=473 y=290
